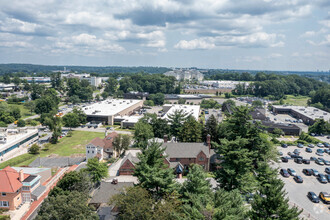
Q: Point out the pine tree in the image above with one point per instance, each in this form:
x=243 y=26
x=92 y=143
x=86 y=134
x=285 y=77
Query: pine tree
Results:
x=191 y=131
x=211 y=128
x=153 y=174
x=176 y=121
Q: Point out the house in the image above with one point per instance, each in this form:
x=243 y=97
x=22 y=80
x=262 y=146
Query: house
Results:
x=177 y=155
x=101 y=148
x=17 y=188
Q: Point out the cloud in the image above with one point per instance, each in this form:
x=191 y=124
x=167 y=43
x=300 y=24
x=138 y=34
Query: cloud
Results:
x=194 y=44
x=275 y=55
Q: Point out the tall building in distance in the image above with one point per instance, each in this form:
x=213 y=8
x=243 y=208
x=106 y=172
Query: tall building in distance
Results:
x=185 y=74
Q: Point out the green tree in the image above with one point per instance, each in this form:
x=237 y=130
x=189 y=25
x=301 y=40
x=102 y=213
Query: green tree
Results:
x=15 y=112
x=320 y=126
x=30 y=105
x=142 y=133
x=71 y=120
x=20 y=123
x=45 y=104
x=96 y=169
x=153 y=174
x=257 y=104
x=16 y=81
x=111 y=86
x=149 y=103
x=81 y=115
x=74 y=99
x=6 y=79
x=181 y=101
x=211 y=128
x=278 y=132
x=105 y=95
x=97 y=97
x=157 y=98
x=34 y=149
x=121 y=143
x=176 y=121
x=191 y=131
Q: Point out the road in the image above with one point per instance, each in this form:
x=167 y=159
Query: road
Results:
x=297 y=192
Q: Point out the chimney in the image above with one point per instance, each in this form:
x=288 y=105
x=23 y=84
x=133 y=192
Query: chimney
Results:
x=21 y=176
x=165 y=138
x=208 y=141
x=179 y=176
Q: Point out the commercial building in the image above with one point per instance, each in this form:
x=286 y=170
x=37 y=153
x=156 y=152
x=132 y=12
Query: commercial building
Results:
x=95 y=81
x=288 y=129
x=222 y=84
x=185 y=74
x=107 y=110
x=7 y=87
x=195 y=99
x=307 y=114
x=37 y=79
x=193 y=110
x=12 y=139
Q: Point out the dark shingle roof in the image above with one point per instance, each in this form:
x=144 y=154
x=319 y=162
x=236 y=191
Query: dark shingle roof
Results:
x=107 y=190
x=38 y=191
x=185 y=150
x=56 y=161
x=131 y=158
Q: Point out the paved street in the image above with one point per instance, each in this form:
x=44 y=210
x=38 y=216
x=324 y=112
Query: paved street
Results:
x=297 y=191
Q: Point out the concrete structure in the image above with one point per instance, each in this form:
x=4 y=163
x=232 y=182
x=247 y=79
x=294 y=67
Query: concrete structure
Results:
x=37 y=79
x=75 y=75
x=136 y=95
x=101 y=148
x=11 y=139
x=222 y=84
x=195 y=99
x=128 y=121
x=193 y=110
x=288 y=129
x=106 y=111
x=7 y=87
x=185 y=74
x=307 y=114
x=17 y=187
x=95 y=81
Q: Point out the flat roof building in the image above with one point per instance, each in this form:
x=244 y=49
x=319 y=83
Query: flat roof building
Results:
x=189 y=109
x=307 y=114
x=106 y=110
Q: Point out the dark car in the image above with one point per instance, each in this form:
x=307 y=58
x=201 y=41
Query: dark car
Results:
x=326 y=162
x=298 y=179
x=306 y=161
x=292 y=172
x=298 y=160
x=326 y=144
x=307 y=172
x=311 y=145
x=284 y=145
x=296 y=156
x=327 y=170
x=308 y=150
x=319 y=162
x=284 y=159
x=322 y=178
x=300 y=145
x=313 y=158
x=315 y=172
x=313 y=197
x=327 y=176
x=284 y=173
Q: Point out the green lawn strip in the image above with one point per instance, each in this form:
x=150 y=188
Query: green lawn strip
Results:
x=296 y=100
x=19 y=160
x=25 y=113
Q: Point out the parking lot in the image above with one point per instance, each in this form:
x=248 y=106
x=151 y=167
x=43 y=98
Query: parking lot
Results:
x=297 y=191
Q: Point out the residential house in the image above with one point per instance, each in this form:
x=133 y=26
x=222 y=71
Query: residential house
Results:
x=101 y=148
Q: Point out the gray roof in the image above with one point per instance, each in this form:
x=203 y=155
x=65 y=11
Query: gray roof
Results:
x=185 y=150
x=107 y=190
x=106 y=213
x=56 y=161
x=38 y=191
x=131 y=158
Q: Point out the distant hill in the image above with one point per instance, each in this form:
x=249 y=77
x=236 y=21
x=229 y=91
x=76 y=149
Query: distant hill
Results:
x=32 y=68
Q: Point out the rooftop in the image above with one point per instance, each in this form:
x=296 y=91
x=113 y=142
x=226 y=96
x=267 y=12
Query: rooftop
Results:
x=190 y=109
x=185 y=150
x=311 y=112
x=14 y=137
x=109 y=107
x=9 y=179
x=107 y=190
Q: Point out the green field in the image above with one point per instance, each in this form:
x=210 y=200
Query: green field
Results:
x=67 y=146
x=296 y=100
x=24 y=111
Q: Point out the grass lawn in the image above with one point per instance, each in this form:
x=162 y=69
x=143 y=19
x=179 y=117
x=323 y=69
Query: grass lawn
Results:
x=296 y=100
x=24 y=111
x=65 y=147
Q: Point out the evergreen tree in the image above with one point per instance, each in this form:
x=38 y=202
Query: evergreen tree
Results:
x=96 y=169
x=191 y=131
x=176 y=121
x=142 y=133
x=211 y=128
x=153 y=174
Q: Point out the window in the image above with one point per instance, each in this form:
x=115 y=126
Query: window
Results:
x=17 y=198
x=92 y=152
x=26 y=188
x=4 y=204
x=3 y=194
x=88 y=151
x=201 y=158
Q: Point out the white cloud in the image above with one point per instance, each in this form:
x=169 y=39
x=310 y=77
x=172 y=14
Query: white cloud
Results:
x=194 y=44
x=275 y=55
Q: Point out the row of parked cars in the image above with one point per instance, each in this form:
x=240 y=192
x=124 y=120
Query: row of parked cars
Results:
x=324 y=196
x=323 y=178
x=320 y=145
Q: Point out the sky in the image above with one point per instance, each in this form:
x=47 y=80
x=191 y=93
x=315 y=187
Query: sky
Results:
x=289 y=35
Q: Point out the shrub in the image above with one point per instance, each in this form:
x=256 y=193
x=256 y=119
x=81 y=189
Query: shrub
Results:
x=21 y=123
x=3 y=124
x=34 y=149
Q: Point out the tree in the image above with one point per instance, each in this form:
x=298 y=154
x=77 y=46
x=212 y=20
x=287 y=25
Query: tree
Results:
x=121 y=143
x=157 y=98
x=6 y=79
x=55 y=80
x=228 y=205
x=320 y=126
x=97 y=170
x=149 y=103
x=257 y=104
x=34 y=149
x=159 y=126
x=20 y=123
x=176 y=121
x=211 y=128
x=66 y=206
x=15 y=112
x=71 y=120
x=153 y=174
x=97 y=97
x=81 y=115
x=16 y=81
x=74 y=99
x=191 y=130
x=278 y=132
x=30 y=105
x=270 y=202
x=45 y=104
x=210 y=103
x=142 y=133
x=181 y=101
x=104 y=95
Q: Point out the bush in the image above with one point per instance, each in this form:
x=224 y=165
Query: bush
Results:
x=21 y=123
x=32 y=122
x=69 y=134
x=34 y=149
x=3 y=124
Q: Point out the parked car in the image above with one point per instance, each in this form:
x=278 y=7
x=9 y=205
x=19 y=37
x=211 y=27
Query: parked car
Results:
x=306 y=161
x=280 y=153
x=284 y=173
x=326 y=162
x=325 y=197
x=311 y=145
x=326 y=145
x=298 y=179
x=292 y=172
x=327 y=151
x=322 y=178
x=296 y=151
x=307 y=172
x=315 y=172
x=327 y=170
x=313 y=158
x=320 y=145
x=284 y=145
x=308 y=150
x=300 y=145
x=284 y=159
x=296 y=156
x=313 y=197
x=319 y=162
x=327 y=176
x=298 y=160
x=320 y=151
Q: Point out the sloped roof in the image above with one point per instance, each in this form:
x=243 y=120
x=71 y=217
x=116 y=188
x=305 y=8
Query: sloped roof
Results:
x=109 y=139
x=107 y=190
x=9 y=179
x=98 y=142
x=131 y=158
x=185 y=150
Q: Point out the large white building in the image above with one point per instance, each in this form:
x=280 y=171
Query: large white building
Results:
x=222 y=84
x=107 y=110
x=189 y=109
x=185 y=74
x=13 y=139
